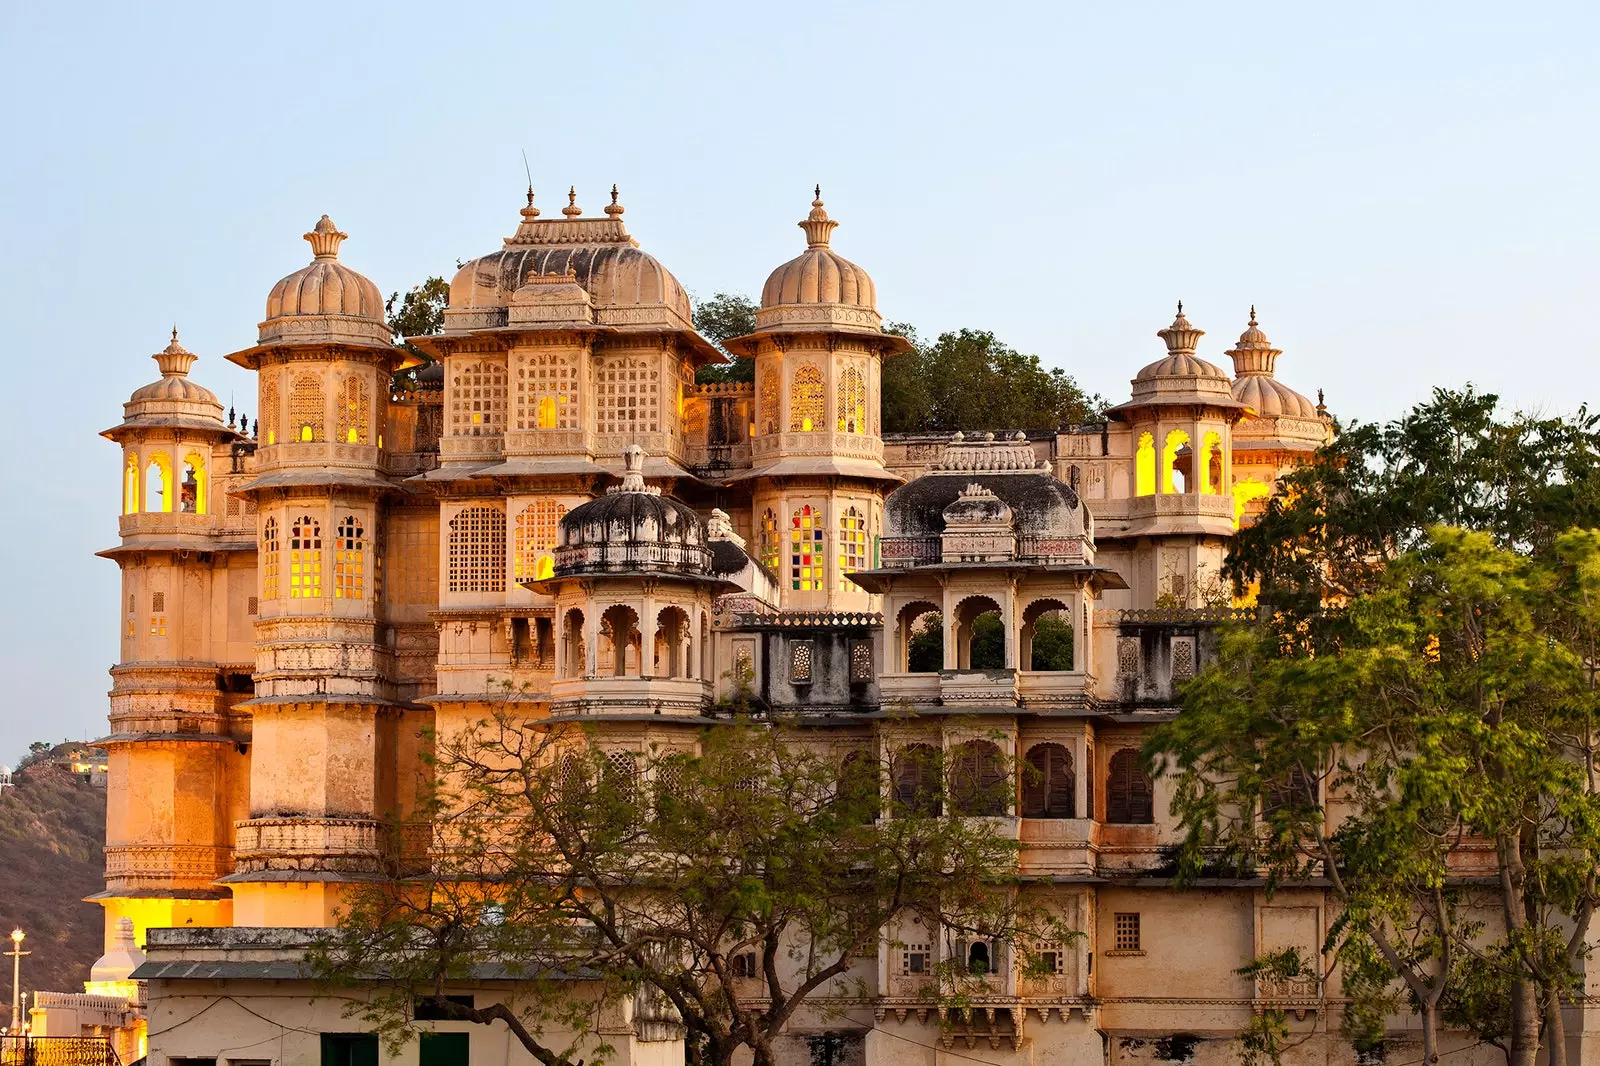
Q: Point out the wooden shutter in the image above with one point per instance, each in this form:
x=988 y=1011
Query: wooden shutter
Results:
x=1128 y=791
x=1049 y=785
x=916 y=780
x=977 y=781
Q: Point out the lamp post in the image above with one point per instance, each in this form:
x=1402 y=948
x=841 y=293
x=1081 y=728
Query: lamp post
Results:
x=16 y=954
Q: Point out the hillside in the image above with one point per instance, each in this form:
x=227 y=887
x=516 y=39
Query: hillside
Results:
x=52 y=832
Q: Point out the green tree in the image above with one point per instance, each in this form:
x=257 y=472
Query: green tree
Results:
x=723 y=316
x=971 y=380
x=419 y=313
x=758 y=863
x=1456 y=704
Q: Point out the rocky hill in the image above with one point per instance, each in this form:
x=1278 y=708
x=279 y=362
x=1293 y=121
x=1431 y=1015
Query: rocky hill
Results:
x=52 y=832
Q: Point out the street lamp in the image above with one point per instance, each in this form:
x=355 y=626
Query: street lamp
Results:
x=16 y=954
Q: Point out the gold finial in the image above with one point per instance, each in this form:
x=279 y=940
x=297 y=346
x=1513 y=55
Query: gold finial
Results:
x=818 y=226
x=529 y=213
x=572 y=210
x=1253 y=314
x=614 y=209
x=1180 y=308
x=325 y=238
x=174 y=333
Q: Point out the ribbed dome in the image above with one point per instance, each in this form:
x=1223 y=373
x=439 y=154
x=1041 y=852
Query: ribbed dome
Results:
x=175 y=361
x=819 y=287
x=1254 y=362
x=632 y=529
x=325 y=300
x=173 y=402
x=1180 y=361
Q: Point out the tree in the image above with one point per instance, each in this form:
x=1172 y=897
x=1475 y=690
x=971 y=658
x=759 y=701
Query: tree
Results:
x=1456 y=704
x=727 y=886
x=419 y=313
x=723 y=316
x=971 y=380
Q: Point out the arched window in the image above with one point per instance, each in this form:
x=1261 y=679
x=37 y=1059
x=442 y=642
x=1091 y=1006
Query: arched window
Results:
x=628 y=396
x=1129 y=794
x=478 y=400
x=548 y=385
x=537 y=524
x=1208 y=467
x=1246 y=492
x=130 y=486
x=978 y=780
x=267 y=429
x=349 y=561
x=1144 y=466
x=771 y=539
x=355 y=413
x=807 y=563
x=768 y=403
x=858 y=790
x=620 y=642
x=805 y=400
x=917 y=785
x=622 y=775
x=852 y=401
x=1173 y=479
x=305 y=409
x=852 y=547
x=573 y=644
x=194 y=488
x=476 y=552
x=158 y=483
x=305 y=559
x=1291 y=793
x=269 y=560
x=1048 y=783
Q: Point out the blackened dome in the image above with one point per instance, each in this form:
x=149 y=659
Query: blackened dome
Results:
x=632 y=529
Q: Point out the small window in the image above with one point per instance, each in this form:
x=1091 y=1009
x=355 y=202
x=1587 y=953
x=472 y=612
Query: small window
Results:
x=1127 y=931
x=444 y=1049
x=800 y=655
x=1052 y=960
x=743 y=965
x=252 y=606
x=158 y=602
x=158 y=625
x=861 y=662
x=349 y=1049
x=915 y=959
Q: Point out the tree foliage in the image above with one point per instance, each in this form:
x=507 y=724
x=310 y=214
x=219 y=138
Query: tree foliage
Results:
x=721 y=888
x=723 y=316
x=971 y=380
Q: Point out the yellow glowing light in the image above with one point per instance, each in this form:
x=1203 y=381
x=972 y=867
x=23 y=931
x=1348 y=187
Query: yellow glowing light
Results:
x=305 y=432
x=350 y=435
x=1169 y=453
x=1144 y=466
x=805 y=424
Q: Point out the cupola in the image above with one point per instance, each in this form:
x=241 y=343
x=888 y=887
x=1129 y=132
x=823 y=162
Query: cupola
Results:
x=173 y=401
x=1181 y=376
x=633 y=528
x=325 y=301
x=1254 y=363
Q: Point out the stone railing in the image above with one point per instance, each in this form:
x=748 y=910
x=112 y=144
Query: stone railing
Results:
x=308 y=843
x=149 y=522
x=166 y=865
x=1186 y=615
x=978 y=687
x=1181 y=503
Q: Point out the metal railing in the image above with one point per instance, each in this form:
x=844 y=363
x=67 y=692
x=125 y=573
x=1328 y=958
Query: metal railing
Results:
x=57 y=1051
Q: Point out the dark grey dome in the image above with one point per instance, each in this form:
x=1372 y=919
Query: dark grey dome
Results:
x=1040 y=504
x=632 y=529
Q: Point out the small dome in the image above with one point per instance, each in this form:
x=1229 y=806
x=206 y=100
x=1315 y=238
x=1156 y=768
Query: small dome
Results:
x=175 y=361
x=1254 y=362
x=819 y=277
x=632 y=529
x=325 y=300
x=1180 y=361
x=122 y=960
x=1180 y=377
x=174 y=401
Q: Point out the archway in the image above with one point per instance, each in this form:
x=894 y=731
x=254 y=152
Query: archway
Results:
x=918 y=788
x=1144 y=466
x=158 y=483
x=572 y=644
x=1173 y=477
x=980 y=634
x=670 y=656
x=620 y=642
x=919 y=639
x=1046 y=638
x=1209 y=465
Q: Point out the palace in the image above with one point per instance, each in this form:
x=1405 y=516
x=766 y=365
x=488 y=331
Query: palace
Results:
x=545 y=507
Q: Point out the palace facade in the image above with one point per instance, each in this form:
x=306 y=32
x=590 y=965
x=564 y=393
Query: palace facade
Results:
x=547 y=508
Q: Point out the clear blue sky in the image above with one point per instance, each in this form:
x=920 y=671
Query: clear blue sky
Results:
x=1406 y=191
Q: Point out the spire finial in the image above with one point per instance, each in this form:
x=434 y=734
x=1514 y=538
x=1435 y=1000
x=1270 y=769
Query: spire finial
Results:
x=174 y=333
x=818 y=226
x=1181 y=336
x=572 y=210
x=529 y=213
x=1180 y=308
x=817 y=192
x=1253 y=314
x=614 y=209
x=1322 y=407
x=325 y=238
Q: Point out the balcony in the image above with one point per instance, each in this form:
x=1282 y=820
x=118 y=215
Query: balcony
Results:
x=978 y=688
x=602 y=694
x=1053 y=689
x=914 y=690
x=166 y=523
x=342 y=844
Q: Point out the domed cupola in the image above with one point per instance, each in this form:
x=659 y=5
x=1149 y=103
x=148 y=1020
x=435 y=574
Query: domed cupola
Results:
x=1254 y=361
x=1181 y=376
x=633 y=529
x=325 y=301
x=174 y=400
x=819 y=288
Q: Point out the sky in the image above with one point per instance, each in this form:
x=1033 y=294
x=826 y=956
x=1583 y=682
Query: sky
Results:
x=1404 y=190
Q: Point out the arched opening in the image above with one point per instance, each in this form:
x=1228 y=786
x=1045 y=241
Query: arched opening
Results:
x=980 y=635
x=620 y=642
x=1246 y=492
x=1173 y=478
x=978 y=962
x=620 y=776
x=269 y=559
x=1144 y=466
x=671 y=651
x=130 y=486
x=547 y=412
x=349 y=560
x=1049 y=786
x=305 y=559
x=858 y=793
x=1129 y=792
x=805 y=400
x=192 y=489
x=852 y=547
x=919 y=639
x=917 y=786
x=768 y=547
x=978 y=780
x=305 y=409
x=852 y=401
x=1045 y=642
x=574 y=653
x=807 y=556
x=158 y=482
x=1209 y=465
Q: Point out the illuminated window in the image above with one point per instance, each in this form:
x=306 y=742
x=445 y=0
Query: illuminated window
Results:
x=305 y=559
x=768 y=403
x=349 y=560
x=130 y=486
x=269 y=560
x=1144 y=466
x=158 y=625
x=1245 y=492
x=476 y=553
x=1127 y=932
x=628 y=396
x=807 y=563
x=770 y=540
x=267 y=420
x=1208 y=467
x=852 y=401
x=194 y=488
x=158 y=483
x=355 y=413
x=805 y=400
x=537 y=525
x=852 y=547
x=547 y=391
x=305 y=409
x=478 y=400
x=1172 y=479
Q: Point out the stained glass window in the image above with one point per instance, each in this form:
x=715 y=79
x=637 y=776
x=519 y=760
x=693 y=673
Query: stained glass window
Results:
x=349 y=560
x=305 y=559
x=852 y=547
x=770 y=541
x=807 y=563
